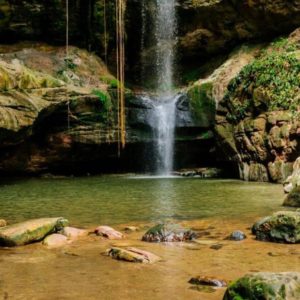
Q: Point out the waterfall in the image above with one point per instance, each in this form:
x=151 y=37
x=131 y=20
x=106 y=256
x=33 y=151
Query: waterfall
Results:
x=163 y=114
x=165 y=36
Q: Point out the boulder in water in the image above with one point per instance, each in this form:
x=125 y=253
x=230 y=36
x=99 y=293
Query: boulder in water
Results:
x=30 y=231
x=72 y=233
x=281 y=227
x=209 y=281
x=131 y=254
x=131 y=229
x=55 y=240
x=265 y=286
x=2 y=223
x=293 y=198
x=108 y=233
x=168 y=232
x=237 y=236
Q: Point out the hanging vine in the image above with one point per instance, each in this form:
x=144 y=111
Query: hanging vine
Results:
x=120 y=38
x=67 y=58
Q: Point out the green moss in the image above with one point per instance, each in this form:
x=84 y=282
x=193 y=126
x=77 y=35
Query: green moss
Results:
x=276 y=73
x=112 y=82
x=201 y=101
x=6 y=82
x=28 y=80
x=104 y=98
x=250 y=289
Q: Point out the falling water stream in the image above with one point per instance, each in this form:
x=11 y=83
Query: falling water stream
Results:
x=164 y=99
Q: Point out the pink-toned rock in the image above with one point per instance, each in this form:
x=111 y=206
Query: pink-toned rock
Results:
x=73 y=233
x=55 y=240
x=108 y=233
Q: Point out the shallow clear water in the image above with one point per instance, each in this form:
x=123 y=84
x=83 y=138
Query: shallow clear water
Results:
x=119 y=200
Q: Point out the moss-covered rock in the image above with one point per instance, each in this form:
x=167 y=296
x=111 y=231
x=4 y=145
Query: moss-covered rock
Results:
x=293 y=198
x=202 y=104
x=265 y=286
x=259 y=113
x=168 y=232
x=30 y=231
x=281 y=227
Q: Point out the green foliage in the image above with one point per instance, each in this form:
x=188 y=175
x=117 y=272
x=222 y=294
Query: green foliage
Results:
x=276 y=72
x=111 y=81
x=104 y=98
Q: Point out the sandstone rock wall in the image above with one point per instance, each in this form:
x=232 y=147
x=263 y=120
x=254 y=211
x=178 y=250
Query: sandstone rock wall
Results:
x=258 y=127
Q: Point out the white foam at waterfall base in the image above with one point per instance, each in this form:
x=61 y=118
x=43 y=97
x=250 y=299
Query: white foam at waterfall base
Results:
x=162 y=119
x=164 y=114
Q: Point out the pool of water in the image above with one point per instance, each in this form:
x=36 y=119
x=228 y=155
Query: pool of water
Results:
x=122 y=199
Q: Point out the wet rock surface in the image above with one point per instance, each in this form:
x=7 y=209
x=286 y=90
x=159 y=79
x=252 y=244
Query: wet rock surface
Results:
x=208 y=281
x=109 y=233
x=30 y=231
x=199 y=173
x=55 y=240
x=168 y=232
x=279 y=286
x=237 y=236
x=281 y=227
x=72 y=233
x=131 y=254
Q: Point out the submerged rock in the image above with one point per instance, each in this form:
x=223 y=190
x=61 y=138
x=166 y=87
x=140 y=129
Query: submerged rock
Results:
x=131 y=254
x=2 y=223
x=131 y=229
x=281 y=227
x=200 y=172
x=210 y=281
x=72 y=233
x=30 y=231
x=237 y=236
x=265 y=286
x=168 y=232
x=55 y=240
x=293 y=198
x=109 y=233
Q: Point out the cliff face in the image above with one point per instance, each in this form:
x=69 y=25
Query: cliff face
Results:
x=59 y=115
x=45 y=21
x=205 y=27
x=208 y=28
x=213 y=26
x=258 y=119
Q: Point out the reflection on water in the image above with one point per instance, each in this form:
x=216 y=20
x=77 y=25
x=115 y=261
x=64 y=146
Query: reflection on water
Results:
x=116 y=199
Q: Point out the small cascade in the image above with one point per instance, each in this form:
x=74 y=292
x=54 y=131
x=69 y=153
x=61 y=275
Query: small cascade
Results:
x=163 y=114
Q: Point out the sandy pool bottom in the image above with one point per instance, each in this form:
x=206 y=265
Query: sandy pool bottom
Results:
x=81 y=271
